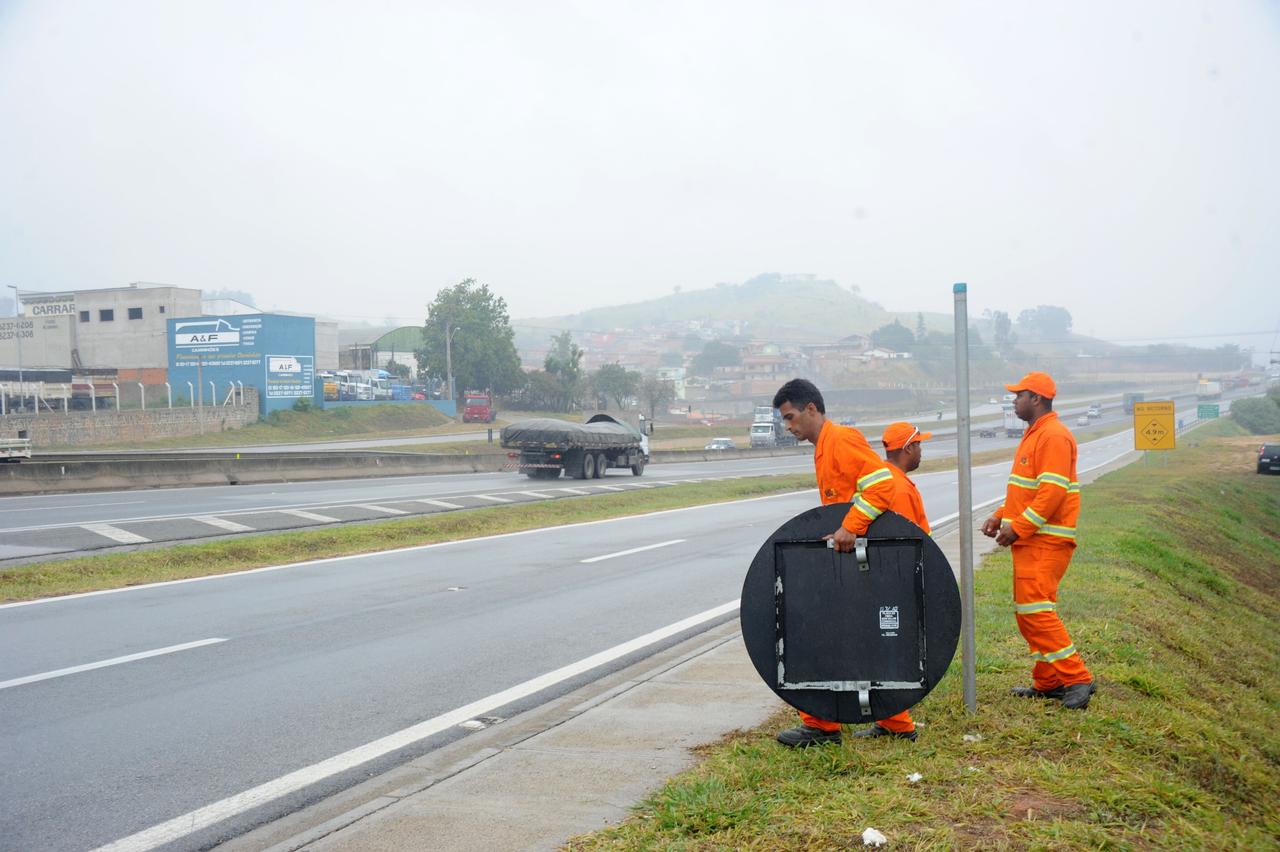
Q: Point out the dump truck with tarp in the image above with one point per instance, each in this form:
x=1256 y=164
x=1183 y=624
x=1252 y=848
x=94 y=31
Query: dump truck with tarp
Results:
x=542 y=447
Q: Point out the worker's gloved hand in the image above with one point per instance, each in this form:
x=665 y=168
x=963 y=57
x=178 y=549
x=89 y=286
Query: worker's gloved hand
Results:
x=1007 y=536
x=842 y=540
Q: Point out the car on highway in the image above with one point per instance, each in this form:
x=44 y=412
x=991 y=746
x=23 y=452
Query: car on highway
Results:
x=1095 y=411
x=721 y=444
x=1269 y=458
x=987 y=432
x=1082 y=420
x=993 y=401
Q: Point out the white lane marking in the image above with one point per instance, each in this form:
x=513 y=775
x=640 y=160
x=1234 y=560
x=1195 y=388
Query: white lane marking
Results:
x=221 y=523
x=308 y=516
x=639 y=485
x=202 y=818
x=102 y=664
x=440 y=504
x=74 y=506
x=632 y=550
x=374 y=507
x=607 y=487
x=115 y=533
x=573 y=491
x=540 y=495
x=491 y=498
x=395 y=551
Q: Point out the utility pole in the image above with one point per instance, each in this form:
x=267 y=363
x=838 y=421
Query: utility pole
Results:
x=448 y=356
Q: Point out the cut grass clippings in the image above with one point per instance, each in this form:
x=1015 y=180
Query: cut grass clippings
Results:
x=1173 y=597
x=117 y=570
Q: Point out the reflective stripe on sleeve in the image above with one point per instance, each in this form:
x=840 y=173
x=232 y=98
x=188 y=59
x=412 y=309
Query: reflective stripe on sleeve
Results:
x=1034 y=518
x=1060 y=532
x=1035 y=606
x=1055 y=479
x=872 y=478
x=1073 y=488
x=1022 y=481
x=866 y=508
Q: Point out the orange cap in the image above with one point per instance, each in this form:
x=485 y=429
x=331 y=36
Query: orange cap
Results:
x=1040 y=384
x=898 y=435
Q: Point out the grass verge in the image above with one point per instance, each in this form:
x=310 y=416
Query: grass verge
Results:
x=116 y=570
x=1173 y=597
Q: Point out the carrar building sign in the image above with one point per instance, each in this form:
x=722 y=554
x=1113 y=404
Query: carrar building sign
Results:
x=270 y=352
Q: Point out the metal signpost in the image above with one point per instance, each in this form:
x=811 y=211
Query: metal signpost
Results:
x=968 y=633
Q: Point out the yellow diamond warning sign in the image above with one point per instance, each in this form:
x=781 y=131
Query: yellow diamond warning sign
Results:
x=1153 y=427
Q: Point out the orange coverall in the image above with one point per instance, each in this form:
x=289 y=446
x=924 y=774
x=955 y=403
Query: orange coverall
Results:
x=1042 y=504
x=849 y=471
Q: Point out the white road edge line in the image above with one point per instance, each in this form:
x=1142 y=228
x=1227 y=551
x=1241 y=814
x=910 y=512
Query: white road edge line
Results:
x=101 y=664
x=197 y=820
x=633 y=550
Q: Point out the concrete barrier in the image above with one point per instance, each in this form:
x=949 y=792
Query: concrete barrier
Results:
x=175 y=470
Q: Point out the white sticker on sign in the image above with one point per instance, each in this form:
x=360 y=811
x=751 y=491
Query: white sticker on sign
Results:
x=283 y=365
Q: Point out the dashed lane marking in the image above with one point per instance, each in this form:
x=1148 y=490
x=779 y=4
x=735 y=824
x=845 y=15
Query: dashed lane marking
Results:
x=222 y=523
x=115 y=533
x=101 y=664
x=538 y=494
x=574 y=491
x=491 y=498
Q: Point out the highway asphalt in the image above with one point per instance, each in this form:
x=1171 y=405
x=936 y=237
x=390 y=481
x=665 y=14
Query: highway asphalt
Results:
x=36 y=527
x=208 y=707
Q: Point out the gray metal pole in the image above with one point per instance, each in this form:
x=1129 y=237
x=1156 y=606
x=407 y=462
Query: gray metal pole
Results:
x=968 y=633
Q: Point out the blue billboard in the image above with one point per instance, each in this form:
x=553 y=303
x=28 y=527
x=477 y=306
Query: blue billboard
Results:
x=273 y=353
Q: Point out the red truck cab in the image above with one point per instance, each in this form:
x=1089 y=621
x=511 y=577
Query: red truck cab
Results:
x=478 y=407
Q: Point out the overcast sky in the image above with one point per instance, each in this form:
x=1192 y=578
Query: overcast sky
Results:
x=351 y=159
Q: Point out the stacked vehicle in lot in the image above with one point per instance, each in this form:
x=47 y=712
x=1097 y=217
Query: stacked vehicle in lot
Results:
x=543 y=447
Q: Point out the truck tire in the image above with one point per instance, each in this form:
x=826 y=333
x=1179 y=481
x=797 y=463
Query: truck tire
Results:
x=637 y=469
x=583 y=466
x=602 y=464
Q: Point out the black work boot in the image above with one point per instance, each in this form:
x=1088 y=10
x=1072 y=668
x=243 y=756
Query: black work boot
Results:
x=1077 y=695
x=803 y=736
x=1032 y=692
x=877 y=731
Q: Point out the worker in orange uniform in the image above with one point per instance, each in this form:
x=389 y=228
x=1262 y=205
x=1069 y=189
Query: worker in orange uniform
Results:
x=848 y=471
x=1038 y=523
x=903 y=450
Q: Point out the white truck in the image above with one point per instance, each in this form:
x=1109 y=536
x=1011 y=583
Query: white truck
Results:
x=1208 y=390
x=767 y=429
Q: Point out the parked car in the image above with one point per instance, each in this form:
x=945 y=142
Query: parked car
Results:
x=721 y=444
x=1269 y=458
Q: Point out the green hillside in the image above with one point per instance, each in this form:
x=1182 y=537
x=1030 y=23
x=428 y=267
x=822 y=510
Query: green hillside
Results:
x=774 y=306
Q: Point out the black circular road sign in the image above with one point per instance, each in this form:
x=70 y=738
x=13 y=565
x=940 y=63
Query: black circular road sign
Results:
x=850 y=637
